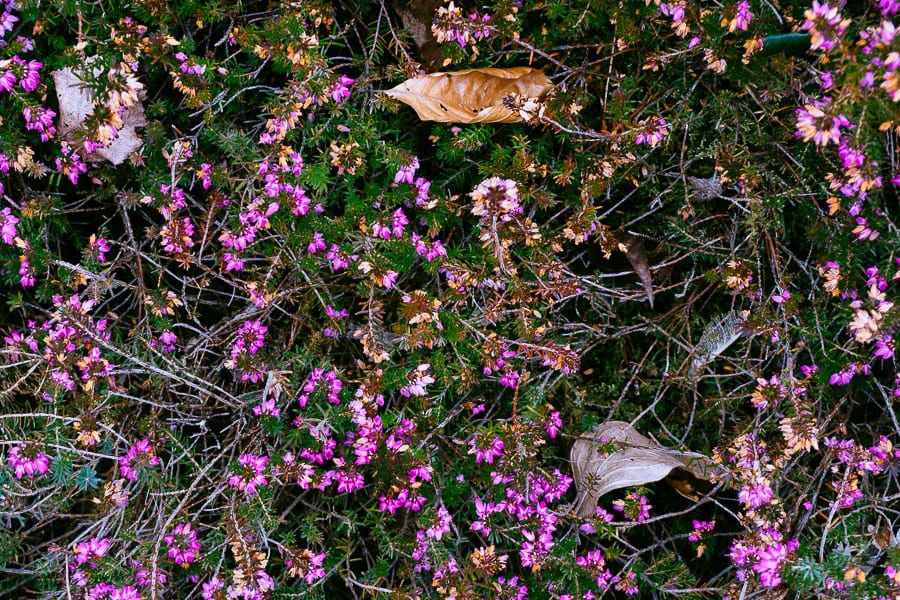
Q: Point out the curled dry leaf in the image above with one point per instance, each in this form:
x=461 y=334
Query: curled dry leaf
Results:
x=718 y=336
x=76 y=103
x=636 y=460
x=472 y=95
x=633 y=247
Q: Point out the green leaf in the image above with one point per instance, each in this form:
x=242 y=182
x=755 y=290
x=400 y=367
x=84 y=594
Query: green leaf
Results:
x=790 y=44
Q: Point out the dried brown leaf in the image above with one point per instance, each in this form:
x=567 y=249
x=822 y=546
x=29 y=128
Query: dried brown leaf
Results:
x=634 y=252
x=472 y=95
x=637 y=460
x=76 y=103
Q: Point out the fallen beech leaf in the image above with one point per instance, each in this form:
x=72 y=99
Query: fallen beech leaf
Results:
x=718 y=336
x=634 y=251
x=472 y=95
x=637 y=460
x=76 y=103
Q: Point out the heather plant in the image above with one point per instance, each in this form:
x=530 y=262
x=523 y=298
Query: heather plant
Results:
x=268 y=334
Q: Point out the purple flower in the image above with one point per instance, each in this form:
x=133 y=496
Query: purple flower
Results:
x=139 y=456
x=317 y=243
x=825 y=25
x=251 y=473
x=27 y=461
x=341 y=89
x=884 y=347
x=167 y=341
x=8 y=230
x=407 y=173
x=652 y=132
x=40 y=119
x=486 y=450
x=183 y=545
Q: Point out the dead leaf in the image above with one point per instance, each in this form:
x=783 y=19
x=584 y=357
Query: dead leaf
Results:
x=76 y=103
x=637 y=460
x=417 y=16
x=472 y=95
x=706 y=189
x=634 y=252
x=718 y=336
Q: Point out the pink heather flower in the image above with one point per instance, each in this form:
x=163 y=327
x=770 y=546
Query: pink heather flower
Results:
x=440 y=525
x=70 y=163
x=496 y=198
x=398 y=222
x=336 y=314
x=143 y=576
x=302 y=202
x=330 y=381
x=341 y=89
x=595 y=563
x=756 y=492
x=267 y=407
x=250 y=339
x=422 y=188
x=31 y=76
x=97 y=248
x=7 y=79
x=884 y=347
x=167 y=341
x=418 y=381
x=825 y=25
x=126 y=592
x=7 y=21
x=844 y=376
x=407 y=173
x=90 y=551
x=430 y=250
x=633 y=506
x=233 y=262
x=863 y=232
x=816 y=125
x=205 y=174
x=317 y=243
x=177 y=235
x=251 y=476
x=389 y=279
x=40 y=119
x=486 y=450
x=509 y=379
x=889 y=8
x=8 y=230
x=768 y=564
x=554 y=424
x=26 y=276
x=27 y=461
x=139 y=456
x=743 y=16
x=307 y=565
x=339 y=259
x=652 y=132
x=892 y=573
x=183 y=545
x=781 y=297
x=212 y=588
x=701 y=527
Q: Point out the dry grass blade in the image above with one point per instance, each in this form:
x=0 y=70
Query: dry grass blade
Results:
x=472 y=95
x=637 y=460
